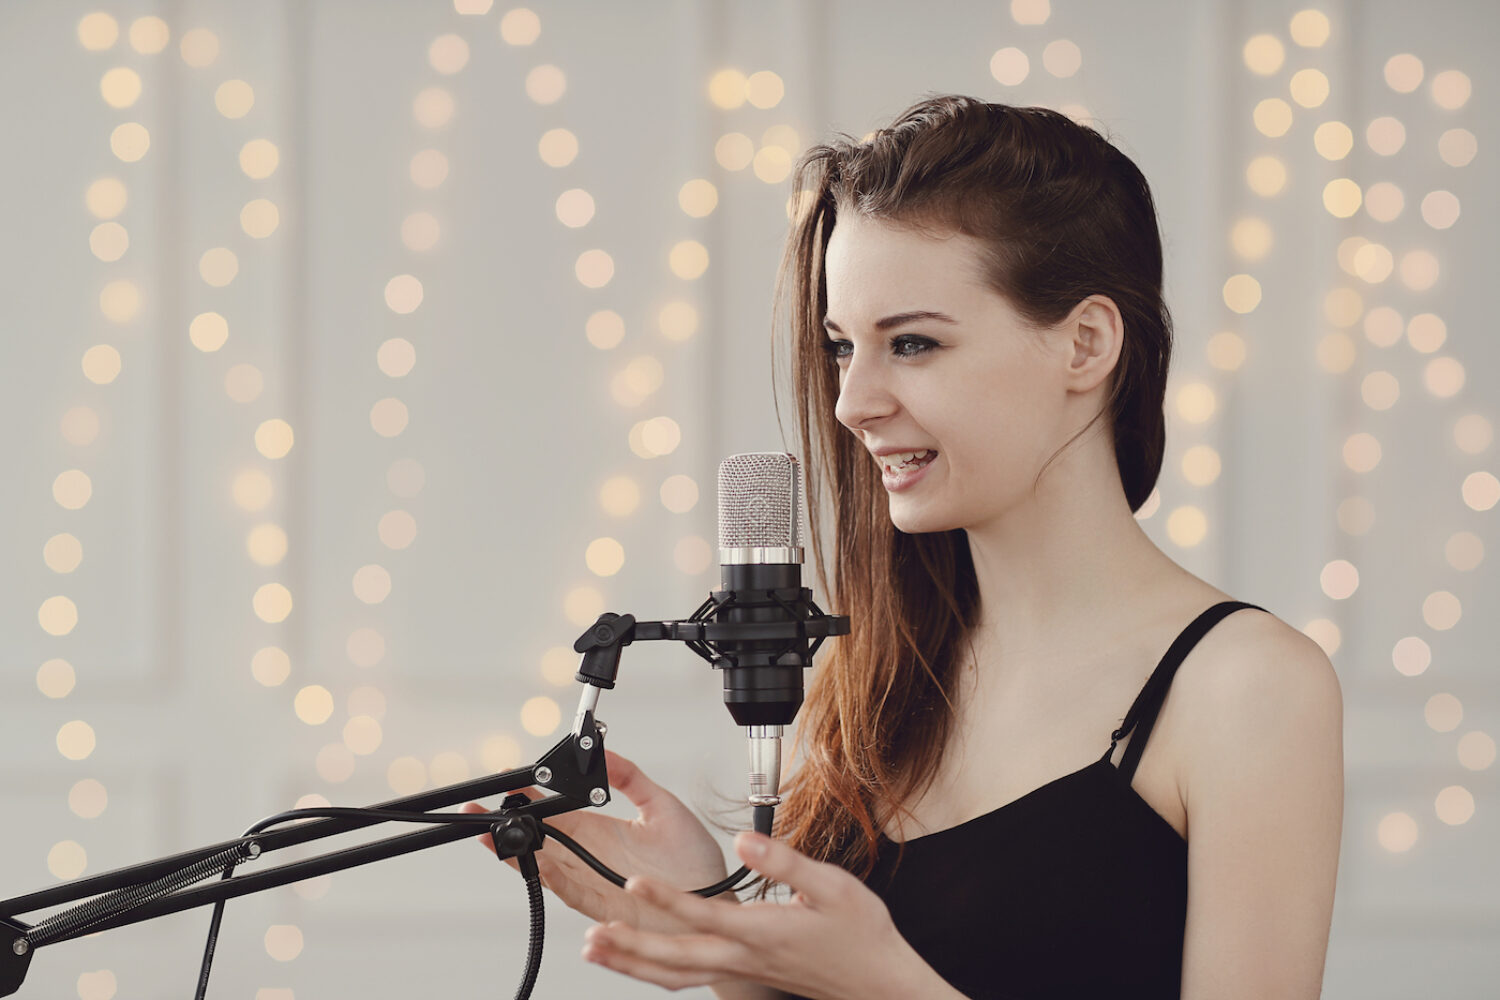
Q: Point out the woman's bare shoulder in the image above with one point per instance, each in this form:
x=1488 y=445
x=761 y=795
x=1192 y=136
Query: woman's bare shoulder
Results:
x=1253 y=654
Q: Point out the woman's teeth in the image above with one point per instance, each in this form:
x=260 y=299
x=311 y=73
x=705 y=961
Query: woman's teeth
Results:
x=907 y=459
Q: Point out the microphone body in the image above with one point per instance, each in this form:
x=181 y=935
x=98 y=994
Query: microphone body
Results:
x=764 y=686
x=760 y=556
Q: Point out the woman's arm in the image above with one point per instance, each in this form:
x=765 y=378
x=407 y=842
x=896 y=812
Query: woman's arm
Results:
x=1264 y=789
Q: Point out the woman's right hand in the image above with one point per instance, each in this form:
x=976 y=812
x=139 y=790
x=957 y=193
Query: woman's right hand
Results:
x=665 y=841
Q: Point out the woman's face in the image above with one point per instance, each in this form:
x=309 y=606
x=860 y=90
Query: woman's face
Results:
x=933 y=361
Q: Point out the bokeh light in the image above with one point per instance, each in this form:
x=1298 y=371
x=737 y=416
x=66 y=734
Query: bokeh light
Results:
x=1310 y=28
x=79 y=425
x=55 y=678
x=272 y=603
x=558 y=147
x=1309 y=88
x=130 y=141
x=1443 y=712
x=62 y=553
x=604 y=556
x=274 y=438
x=313 y=704
x=1062 y=58
x=97 y=31
x=420 y=231
x=266 y=544
x=389 y=417
x=252 y=490
x=88 y=798
x=546 y=84
x=594 y=268
x=734 y=151
x=448 y=54
x=520 y=26
x=259 y=159
x=1385 y=136
x=764 y=89
x=271 y=666
x=1010 y=66
x=397 y=529
x=1264 y=54
x=678 y=320
x=1272 y=117
x=199 y=48
x=372 y=583
x=234 y=98
x=365 y=647
x=67 y=859
x=1403 y=73
x=1411 y=656
x=208 y=331
x=75 y=740
x=433 y=108
x=218 y=267
x=540 y=716
x=1339 y=579
x=58 y=615
x=149 y=35
x=688 y=259
x=243 y=383
x=283 y=942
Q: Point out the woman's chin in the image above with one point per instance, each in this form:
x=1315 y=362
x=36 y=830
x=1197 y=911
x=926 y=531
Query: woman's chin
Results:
x=914 y=522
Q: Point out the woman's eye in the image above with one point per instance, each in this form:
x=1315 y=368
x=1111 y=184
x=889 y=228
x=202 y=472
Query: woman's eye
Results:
x=836 y=349
x=903 y=346
x=908 y=346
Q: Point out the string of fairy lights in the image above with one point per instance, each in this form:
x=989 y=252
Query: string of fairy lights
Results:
x=1375 y=260
x=1372 y=262
x=1372 y=305
x=433 y=109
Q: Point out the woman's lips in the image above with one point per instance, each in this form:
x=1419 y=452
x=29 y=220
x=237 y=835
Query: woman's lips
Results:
x=897 y=480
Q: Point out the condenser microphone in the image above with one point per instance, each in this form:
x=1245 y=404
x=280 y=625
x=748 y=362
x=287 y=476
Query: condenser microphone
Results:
x=760 y=559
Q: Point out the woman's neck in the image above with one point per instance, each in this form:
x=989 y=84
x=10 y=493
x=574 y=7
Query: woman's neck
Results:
x=1061 y=570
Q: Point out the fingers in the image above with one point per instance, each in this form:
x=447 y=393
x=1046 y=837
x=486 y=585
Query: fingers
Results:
x=815 y=881
x=672 y=960
x=631 y=781
x=701 y=914
x=639 y=968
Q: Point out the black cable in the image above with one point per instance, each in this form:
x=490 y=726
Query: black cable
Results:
x=763 y=824
x=213 y=941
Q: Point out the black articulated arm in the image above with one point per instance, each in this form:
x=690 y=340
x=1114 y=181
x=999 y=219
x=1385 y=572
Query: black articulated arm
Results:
x=573 y=772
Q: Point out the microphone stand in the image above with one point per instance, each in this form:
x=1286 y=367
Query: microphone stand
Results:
x=573 y=770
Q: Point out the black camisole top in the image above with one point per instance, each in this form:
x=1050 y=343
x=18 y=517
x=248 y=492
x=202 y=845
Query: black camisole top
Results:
x=1077 y=889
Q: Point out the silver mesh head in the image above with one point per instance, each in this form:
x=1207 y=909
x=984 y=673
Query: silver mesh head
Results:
x=760 y=501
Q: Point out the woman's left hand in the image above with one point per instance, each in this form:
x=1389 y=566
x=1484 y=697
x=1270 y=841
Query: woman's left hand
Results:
x=834 y=939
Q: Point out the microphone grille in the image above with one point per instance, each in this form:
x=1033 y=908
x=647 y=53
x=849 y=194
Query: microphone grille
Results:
x=760 y=501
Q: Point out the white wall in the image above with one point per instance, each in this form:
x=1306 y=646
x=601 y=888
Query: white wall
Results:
x=512 y=421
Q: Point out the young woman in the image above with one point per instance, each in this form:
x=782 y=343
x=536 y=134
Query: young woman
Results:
x=979 y=357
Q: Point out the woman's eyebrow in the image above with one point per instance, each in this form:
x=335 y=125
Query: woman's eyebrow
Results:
x=897 y=320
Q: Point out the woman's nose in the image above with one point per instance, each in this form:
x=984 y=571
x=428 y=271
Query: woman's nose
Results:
x=863 y=395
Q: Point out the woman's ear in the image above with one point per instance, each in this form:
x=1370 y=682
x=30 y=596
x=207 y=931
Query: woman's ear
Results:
x=1096 y=332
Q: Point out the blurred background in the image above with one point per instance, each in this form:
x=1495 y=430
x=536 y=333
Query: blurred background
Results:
x=358 y=353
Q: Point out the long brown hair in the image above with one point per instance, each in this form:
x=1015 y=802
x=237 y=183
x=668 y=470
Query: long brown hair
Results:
x=1060 y=214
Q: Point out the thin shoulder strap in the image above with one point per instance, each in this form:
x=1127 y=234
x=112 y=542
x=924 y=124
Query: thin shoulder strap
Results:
x=1148 y=703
